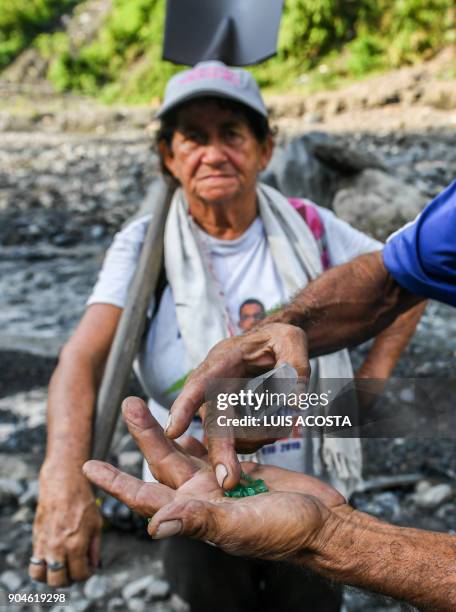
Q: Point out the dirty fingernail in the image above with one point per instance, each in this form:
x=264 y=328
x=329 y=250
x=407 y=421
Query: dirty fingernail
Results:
x=126 y=402
x=168 y=529
x=169 y=422
x=221 y=473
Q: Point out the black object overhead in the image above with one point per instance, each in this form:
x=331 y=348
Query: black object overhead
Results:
x=236 y=32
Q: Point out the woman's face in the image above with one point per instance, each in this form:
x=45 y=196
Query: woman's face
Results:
x=214 y=154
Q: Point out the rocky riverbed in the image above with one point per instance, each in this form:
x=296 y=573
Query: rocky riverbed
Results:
x=62 y=197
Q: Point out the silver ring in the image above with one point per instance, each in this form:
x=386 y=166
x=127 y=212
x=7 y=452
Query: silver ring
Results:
x=37 y=561
x=55 y=566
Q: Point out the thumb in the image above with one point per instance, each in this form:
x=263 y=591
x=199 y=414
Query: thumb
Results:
x=195 y=518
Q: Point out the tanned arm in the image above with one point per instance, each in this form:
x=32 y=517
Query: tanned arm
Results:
x=67 y=523
x=389 y=344
x=413 y=565
x=347 y=305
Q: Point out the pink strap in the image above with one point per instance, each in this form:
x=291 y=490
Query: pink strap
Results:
x=309 y=213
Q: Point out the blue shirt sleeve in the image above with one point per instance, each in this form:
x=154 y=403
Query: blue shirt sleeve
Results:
x=422 y=256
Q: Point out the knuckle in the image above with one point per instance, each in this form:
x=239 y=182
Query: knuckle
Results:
x=56 y=545
x=218 y=447
x=198 y=521
x=77 y=548
x=38 y=522
x=192 y=513
x=296 y=333
x=193 y=506
x=37 y=539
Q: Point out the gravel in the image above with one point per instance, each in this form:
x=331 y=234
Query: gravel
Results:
x=62 y=197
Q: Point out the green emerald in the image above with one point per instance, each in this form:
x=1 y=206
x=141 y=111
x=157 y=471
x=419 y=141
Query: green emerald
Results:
x=253 y=487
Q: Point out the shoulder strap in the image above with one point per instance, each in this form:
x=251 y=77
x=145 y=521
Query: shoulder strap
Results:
x=308 y=211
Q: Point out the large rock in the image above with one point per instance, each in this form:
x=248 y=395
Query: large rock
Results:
x=313 y=165
x=377 y=203
x=295 y=171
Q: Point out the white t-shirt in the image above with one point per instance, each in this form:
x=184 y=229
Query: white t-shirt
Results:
x=244 y=270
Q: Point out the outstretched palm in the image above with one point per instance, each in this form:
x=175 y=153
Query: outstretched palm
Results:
x=188 y=498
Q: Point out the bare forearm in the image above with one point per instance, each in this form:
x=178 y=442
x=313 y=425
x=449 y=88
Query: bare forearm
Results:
x=389 y=344
x=71 y=402
x=408 y=564
x=347 y=305
x=74 y=385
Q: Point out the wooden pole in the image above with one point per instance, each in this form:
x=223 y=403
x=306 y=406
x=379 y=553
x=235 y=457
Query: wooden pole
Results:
x=130 y=328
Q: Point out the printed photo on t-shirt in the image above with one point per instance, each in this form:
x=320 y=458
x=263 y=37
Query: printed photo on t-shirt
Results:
x=250 y=312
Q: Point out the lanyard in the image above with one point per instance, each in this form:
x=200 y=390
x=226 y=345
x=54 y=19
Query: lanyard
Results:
x=205 y=250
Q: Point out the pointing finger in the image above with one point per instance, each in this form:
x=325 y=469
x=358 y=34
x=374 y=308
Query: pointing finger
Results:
x=223 y=457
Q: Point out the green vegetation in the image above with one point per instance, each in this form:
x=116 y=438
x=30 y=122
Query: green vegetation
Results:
x=22 y=20
x=123 y=62
x=321 y=41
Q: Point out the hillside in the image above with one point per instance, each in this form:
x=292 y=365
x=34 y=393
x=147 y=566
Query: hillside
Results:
x=111 y=49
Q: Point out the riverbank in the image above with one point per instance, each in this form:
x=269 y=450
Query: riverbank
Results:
x=65 y=192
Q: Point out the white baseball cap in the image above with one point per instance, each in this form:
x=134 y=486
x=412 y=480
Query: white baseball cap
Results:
x=213 y=79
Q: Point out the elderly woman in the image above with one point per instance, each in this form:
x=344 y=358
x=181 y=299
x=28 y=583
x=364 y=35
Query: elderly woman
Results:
x=234 y=248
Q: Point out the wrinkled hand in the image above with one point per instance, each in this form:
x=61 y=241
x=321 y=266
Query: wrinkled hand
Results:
x=67 y=527
x=283 y=523
x=267 y=347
